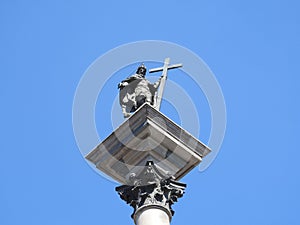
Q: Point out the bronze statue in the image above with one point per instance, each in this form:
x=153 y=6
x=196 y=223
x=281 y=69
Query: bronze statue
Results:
x=137 y=90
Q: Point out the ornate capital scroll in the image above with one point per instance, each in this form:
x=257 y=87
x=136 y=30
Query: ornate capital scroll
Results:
x=150 y=190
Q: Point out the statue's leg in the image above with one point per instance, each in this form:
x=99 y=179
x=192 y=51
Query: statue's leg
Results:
x=149 y=97
x=154 y=100
x=125 y=113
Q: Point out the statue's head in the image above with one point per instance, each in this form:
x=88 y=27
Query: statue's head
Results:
x=141 y=70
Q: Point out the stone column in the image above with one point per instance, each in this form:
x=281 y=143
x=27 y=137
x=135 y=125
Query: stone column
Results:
x=152 y=215
x=151 y=197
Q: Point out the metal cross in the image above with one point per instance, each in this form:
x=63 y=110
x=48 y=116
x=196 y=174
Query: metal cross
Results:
x=165 y=69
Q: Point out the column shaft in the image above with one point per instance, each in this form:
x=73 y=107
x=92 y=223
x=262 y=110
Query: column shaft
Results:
x=151 y=216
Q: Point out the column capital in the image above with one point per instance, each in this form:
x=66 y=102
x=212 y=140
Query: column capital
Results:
x=150 y=190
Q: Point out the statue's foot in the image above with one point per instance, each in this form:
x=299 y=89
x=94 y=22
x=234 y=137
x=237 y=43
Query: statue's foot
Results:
x=126 y=115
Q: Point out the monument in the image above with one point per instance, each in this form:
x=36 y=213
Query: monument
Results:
x=148 y=153
x=136 y=90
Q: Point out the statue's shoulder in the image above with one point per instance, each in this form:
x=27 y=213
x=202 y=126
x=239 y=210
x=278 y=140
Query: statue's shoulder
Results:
x=131 y=78
x=137 y=76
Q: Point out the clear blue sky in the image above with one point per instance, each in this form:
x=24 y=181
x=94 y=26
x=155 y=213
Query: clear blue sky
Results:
x=253 y=49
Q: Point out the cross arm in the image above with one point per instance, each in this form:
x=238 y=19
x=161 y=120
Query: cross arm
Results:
x=162 y=68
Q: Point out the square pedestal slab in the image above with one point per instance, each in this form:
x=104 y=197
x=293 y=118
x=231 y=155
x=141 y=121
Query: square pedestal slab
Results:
x=148 y=135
